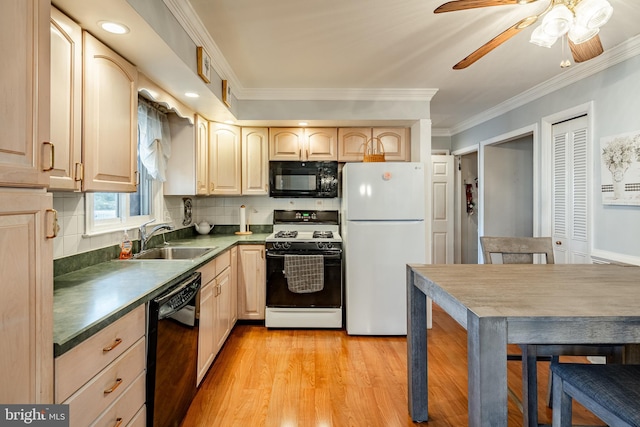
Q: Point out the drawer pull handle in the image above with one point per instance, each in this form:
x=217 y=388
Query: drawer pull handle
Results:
x=52 y=159
x=118 y=422
x=114 y=387
x=116 y=343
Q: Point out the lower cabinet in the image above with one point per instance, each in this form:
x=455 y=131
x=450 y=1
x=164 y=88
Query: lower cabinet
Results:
x=103 y=379
x=251 y=282
x=217 y=298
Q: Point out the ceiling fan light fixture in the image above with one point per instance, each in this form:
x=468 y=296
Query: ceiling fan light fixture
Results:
x=540 y=38
x=579 y=34
x=593 y=13
x=558 y=21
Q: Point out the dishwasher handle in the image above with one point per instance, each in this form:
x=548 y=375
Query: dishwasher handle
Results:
x=178 y=297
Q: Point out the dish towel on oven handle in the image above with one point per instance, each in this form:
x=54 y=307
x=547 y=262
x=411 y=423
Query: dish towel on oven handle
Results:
x=304 y=273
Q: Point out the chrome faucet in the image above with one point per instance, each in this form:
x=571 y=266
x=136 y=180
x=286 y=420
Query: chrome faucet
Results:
x=144 y=237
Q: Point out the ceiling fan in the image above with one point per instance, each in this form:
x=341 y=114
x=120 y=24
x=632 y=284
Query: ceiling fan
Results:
x=579 y=19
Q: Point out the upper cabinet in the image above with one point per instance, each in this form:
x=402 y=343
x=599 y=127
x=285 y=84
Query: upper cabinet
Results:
x=303 y=144
x=255 y=161
x=396 y=143
x=224 y=159
x=26 y=155
x=66 y=102
x=110 y=119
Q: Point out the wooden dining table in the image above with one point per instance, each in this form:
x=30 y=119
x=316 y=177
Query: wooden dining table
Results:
x=516 y=304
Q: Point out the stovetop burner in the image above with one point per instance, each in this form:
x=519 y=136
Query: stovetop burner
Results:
x=286 y=234
x=323 y=234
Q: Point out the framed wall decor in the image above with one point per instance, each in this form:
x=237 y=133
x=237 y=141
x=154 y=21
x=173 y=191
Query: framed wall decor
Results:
x=226 y=93
x=620 y=171
x=204 y=65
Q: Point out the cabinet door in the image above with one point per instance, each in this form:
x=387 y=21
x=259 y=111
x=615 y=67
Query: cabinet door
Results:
x=255 y=161
x=351 y=143
x=24 y=49
x=396 y=142
x=110 y=119
x=202 y=156
x=66 y=102
x=26 y=284
x=286 y=143
x=224 y=159
x=321 y=144
x=223 y=309
x=251 y=282
x=234 y=286
x=206 y=329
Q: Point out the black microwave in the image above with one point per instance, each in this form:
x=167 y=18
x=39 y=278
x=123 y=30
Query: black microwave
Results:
x=303 y=179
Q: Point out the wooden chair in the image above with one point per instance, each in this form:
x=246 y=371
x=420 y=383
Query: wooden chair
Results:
x=611 y=392
x=521 y=250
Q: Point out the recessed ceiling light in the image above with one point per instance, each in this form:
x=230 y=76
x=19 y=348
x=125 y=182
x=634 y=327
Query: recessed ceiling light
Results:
x=113 y=27
x=191 y=95
x=303 y=124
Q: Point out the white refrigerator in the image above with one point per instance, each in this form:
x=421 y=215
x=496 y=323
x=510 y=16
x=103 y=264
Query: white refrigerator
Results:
x=383 y=230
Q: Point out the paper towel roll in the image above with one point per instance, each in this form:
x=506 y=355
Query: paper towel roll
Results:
x=243 y=219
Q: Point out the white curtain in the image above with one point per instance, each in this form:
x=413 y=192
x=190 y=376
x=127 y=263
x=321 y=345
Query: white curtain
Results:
x=155 y=140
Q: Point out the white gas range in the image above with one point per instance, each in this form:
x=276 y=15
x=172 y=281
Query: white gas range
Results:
x=304 y=270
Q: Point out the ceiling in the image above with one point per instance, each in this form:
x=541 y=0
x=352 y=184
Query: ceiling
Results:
x=381 y=44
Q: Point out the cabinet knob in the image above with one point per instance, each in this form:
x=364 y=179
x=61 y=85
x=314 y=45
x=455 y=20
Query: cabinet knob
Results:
x=558 y=242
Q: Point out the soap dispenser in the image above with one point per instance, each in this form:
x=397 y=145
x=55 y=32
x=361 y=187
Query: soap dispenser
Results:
x=126 y=246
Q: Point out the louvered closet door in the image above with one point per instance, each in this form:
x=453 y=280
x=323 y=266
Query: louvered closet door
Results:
x=571 y=233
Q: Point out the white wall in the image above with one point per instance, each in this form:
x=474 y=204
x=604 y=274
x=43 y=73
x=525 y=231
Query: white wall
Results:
x=71 y=239
x=615 y=93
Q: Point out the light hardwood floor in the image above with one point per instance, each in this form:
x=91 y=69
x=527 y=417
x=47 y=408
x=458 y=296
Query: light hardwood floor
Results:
x=322 y=378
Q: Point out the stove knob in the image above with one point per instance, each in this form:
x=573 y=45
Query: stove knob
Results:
x=320 y=245
x=286 y=245
x=276 y=245
x=329 y=245
x=313 y=216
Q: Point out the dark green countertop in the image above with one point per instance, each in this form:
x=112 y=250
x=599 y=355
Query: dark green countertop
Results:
x=87 y=300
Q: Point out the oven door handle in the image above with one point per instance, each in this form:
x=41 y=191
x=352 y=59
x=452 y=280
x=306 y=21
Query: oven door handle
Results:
x=332 y=256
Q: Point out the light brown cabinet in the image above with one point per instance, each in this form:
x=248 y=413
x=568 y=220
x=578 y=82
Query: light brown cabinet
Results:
x=255 y=161
x=110 y=119
x=26 y=154
x=66 y=102
x=224 y=159
x=216 y=312
x=251 y=282
x=352 y=141
x=202 y=155
x=303 y=144
x=26 y=283
x=103 y=378
x=26 y=217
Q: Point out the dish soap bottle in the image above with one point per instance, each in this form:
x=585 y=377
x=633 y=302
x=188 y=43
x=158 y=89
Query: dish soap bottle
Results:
x=125 y=246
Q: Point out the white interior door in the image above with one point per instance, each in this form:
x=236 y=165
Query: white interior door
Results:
x=570 y=222
x=443 y=219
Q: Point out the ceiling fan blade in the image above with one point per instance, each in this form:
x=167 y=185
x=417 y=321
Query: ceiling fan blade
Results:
x=495 y=42
x=452 y=6
x=588 y=50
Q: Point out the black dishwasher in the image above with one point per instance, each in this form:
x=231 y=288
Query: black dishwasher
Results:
x=172 y=354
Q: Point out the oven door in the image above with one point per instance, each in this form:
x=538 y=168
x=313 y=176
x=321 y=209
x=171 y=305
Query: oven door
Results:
x=279 y=295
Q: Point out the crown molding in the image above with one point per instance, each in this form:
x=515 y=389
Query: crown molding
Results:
x=626 y=50
x=441 y=132
x=347 y=94
x=195 y=29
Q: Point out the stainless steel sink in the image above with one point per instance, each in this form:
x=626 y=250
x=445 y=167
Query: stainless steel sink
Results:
x=173 y=253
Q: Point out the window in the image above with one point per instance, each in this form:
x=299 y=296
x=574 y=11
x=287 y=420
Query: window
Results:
x=107 y=212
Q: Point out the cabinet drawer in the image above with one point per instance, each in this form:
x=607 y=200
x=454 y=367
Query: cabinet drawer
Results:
x=88 y=402
x=126 y=407
x=140 y=419
x=223 y=261
x=80 y=364
x=208 y=272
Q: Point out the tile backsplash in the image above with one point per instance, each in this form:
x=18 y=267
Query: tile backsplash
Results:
x=72 y=239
